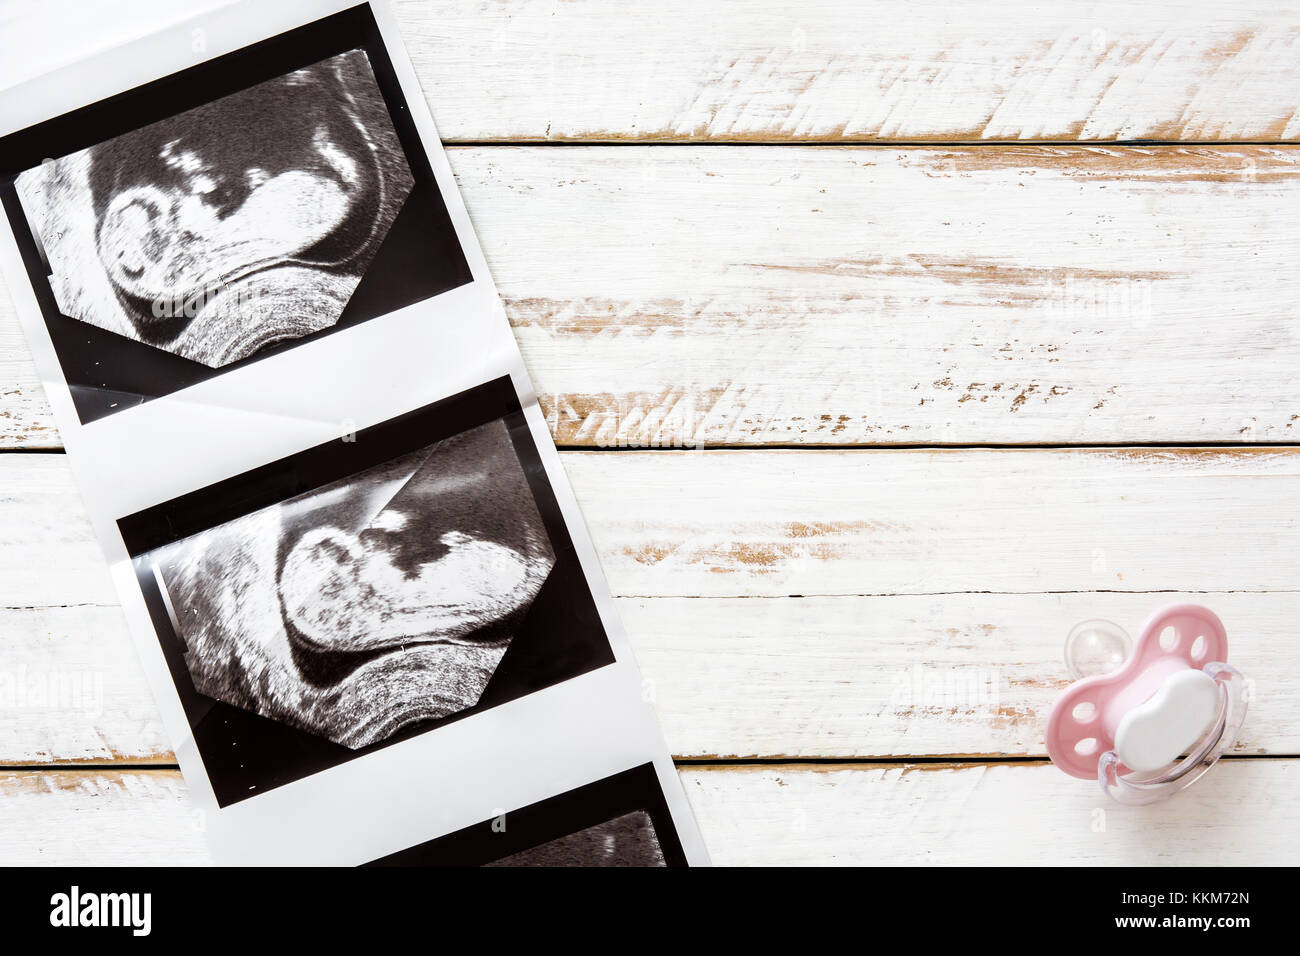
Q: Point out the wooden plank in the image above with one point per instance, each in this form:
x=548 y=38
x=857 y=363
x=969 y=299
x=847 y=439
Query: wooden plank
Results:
x=851 y=296
x=781 y=523
x=72 y=690
x=1008 y=814
x=895 y=648
x=114 y=818
x=878 y=70
x=823 y=70
x=970 y=676
x=773 y=815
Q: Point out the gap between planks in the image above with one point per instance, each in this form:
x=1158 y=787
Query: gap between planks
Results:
x=454 y=144
x=705 y=762
x=1190 y=446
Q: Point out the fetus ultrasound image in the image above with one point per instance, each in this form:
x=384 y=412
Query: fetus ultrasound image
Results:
x=233 y=226
x=366 y=590
x=292 y=205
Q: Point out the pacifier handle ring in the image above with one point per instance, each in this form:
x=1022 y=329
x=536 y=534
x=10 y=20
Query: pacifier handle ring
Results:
x=1139 y=789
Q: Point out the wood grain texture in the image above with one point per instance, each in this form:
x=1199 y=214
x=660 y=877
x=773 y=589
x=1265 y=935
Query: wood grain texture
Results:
x=1021 y=814
x=925 y=625
x=823 y=70
x=812 y=524
x=880 y=70
x=768 y=524
x=853 y=296
x=875 y=815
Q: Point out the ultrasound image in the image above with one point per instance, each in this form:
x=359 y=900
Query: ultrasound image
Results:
x=618 y=821
x=230 y=227
x=628 y=840
x=369 y=604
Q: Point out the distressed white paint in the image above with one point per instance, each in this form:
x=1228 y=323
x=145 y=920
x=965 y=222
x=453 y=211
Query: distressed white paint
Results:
x=110 y=818
x=870 y=815
x=969 y=675
x=1244 y=813
x=825 y=523
x=932 y=522
x=763 y=70
x=947 y=675
x=745 y=295
x=870 y=70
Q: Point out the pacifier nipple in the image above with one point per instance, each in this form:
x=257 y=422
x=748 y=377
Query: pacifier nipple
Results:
x=1095 y=647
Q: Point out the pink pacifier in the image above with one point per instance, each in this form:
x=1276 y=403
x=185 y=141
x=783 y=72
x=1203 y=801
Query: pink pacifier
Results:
x=1159 y=722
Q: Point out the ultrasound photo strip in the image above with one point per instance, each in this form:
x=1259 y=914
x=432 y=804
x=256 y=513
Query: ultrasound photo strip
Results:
x=340 y=532
x=232 y=226
x=375 y=602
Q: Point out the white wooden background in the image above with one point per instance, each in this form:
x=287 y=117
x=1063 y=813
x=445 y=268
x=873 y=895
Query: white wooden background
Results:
x=881 y=354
